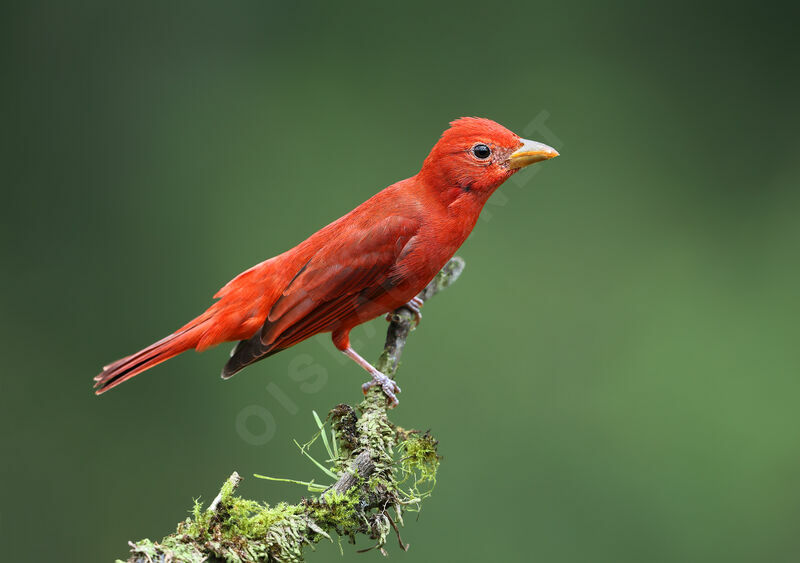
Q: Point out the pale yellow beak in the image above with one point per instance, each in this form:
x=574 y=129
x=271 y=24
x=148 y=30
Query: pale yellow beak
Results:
x=529 y=153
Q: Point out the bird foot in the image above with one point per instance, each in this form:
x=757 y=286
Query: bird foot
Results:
x=388 y=386
x=415 y=306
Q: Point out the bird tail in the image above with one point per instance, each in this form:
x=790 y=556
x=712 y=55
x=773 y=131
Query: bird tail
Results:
x=240 y=311
x=183 y=339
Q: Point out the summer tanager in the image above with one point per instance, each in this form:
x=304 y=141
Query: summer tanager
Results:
x=373 y=260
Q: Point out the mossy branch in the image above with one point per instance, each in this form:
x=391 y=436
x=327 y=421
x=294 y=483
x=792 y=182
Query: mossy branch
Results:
x=382 y=471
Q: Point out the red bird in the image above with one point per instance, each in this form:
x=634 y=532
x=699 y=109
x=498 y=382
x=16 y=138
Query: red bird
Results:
x=373 y=260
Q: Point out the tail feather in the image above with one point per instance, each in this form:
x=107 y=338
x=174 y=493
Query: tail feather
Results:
x=166 y=348
x=239 y=313
x=247 y=352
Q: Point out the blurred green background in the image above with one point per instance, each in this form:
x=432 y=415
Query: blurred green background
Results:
x=615 y=376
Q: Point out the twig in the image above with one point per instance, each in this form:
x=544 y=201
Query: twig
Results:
x=234 y=481
x=403 y=319
x=357 y=503
x=364 y=464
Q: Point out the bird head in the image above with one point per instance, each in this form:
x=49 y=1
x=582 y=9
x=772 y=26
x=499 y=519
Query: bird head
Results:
x=477 y=155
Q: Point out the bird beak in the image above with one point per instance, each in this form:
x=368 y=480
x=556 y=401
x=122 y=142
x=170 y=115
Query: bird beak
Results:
x=529 y=153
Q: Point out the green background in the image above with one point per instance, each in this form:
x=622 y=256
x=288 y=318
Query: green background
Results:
x=615 y=376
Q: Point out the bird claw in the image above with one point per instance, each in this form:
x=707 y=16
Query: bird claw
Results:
x=388 y=386
x=414 y=306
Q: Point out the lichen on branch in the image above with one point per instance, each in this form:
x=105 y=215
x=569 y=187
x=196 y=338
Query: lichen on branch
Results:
x=381 y=472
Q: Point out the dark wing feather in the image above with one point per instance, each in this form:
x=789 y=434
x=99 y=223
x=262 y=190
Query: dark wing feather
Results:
x=342 y=275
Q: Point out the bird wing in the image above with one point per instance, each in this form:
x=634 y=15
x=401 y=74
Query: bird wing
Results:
x=354 y=268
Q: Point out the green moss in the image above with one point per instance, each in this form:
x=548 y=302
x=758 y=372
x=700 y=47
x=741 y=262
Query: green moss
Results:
x=418 y=464
x=418 y=454
x=344 y=424
x=251 y=519
x=242 y=530
x=374 y=429
x=170 y=549
x=339 y=512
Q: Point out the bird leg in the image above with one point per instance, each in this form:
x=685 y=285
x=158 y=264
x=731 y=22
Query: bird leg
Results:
x=415 y=306
x=388 y=385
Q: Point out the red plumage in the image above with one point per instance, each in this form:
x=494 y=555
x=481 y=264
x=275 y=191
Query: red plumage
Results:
x=363 y=265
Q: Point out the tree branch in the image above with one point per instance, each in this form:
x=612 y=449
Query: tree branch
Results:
x=234 y=481
x=376 y=463
x=403 y=319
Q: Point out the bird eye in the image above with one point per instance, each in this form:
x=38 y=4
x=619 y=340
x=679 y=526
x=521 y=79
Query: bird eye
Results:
x=481 y=151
